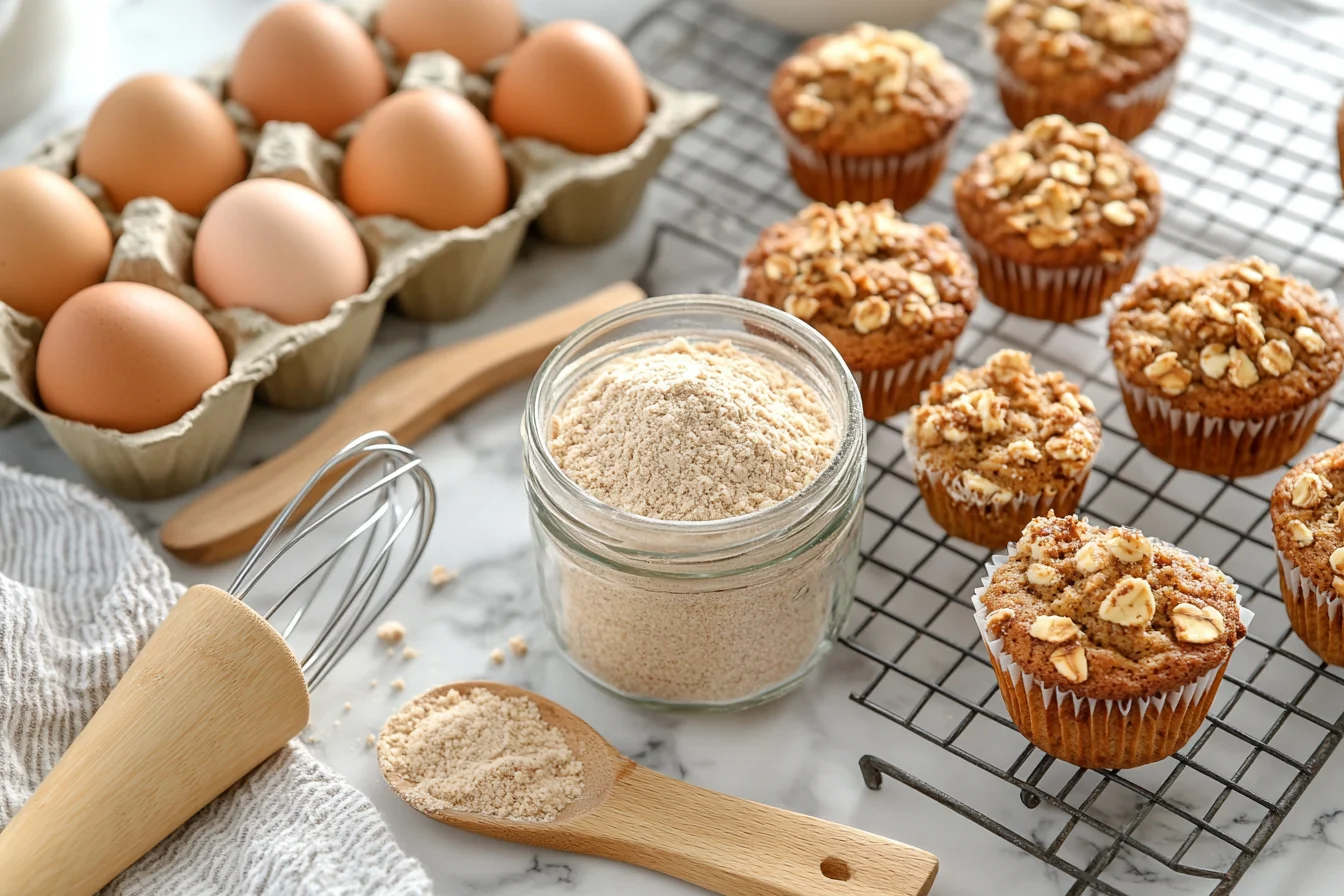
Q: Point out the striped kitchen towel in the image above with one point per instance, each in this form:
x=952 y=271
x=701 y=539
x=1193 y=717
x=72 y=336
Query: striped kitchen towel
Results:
x=80 y=593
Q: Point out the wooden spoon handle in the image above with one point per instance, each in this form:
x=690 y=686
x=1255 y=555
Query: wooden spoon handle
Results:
x=740 y=848
x=406 y=400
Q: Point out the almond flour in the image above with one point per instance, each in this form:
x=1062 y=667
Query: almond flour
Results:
x=695 y=432
x=480 y=753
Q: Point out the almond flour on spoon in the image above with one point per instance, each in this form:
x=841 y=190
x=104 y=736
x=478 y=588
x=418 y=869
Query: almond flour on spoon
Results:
x=481 y=753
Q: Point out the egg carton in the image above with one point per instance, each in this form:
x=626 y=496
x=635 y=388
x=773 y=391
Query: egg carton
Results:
x=434 y=275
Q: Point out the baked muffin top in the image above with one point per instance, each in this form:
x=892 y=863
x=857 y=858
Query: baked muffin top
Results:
x=868 y=90
x=1003 y=429
x=1110 y=613
x=1055 y=194
x=1237 y=339
x=869 y=280
x=1305 y=509
x=1084 y=50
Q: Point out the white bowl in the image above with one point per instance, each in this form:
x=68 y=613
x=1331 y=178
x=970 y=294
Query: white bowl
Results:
x=819 y=16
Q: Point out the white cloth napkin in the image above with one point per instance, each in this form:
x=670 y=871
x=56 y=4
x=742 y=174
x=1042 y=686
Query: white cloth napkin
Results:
x=80 y=593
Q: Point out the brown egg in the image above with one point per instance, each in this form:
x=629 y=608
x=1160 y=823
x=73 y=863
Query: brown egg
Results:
x=572 y=83
x=280 y=248
x=127 y=356
x=473 y=31
x=427 y=155
x=165 y=136
x=53 y=241
x=308 y=61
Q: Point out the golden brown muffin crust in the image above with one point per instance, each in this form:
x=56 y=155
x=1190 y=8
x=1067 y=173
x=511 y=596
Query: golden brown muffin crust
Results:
x=882 y=289
x=1109 y=613
x=1305 y=509
x=869 y=91
x=1057 y=194
x=1003 y=429
x=1238 y=339
x=1083 y=50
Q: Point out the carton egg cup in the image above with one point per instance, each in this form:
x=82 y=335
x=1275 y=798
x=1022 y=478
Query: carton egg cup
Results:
x=435 y=275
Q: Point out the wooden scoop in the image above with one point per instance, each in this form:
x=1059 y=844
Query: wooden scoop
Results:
x=406 y=400
x=722 y=843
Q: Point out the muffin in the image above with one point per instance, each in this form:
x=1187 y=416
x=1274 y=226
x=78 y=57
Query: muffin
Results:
x=995 y=447
x=1225 y=370
x=1309 y=537
x=1056 y=217
x=890 y=295
x=868 y=114
x=1108 y=646
x=1108 y=61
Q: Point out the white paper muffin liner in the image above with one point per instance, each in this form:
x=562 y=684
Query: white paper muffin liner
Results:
x=1315 y=614
x=1065 y=699
x=905 y=178
x=1153 y=88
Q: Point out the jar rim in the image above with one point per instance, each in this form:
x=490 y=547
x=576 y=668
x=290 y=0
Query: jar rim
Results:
x=852 y=432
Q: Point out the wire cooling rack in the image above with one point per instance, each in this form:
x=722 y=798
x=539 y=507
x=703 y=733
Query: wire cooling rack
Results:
x=1246 y=154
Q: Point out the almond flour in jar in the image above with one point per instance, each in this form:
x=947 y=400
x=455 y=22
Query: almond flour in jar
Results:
x=696 y=493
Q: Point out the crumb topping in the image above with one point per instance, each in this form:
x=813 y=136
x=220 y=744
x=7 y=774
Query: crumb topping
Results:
x=1056 y=184
x=1233 y=329
x=1119 y=616
x=865 y=268
x=867 y=79
x=1111 y=43
x=1307 y=510
x=1001 y=430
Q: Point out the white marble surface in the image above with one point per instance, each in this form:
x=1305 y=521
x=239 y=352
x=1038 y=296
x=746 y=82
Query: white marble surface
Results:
x=799 y=753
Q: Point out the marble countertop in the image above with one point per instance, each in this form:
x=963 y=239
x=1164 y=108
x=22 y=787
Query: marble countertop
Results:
x=800 y=753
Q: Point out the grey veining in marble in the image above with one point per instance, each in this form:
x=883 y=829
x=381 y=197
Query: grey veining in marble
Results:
x=799 y=753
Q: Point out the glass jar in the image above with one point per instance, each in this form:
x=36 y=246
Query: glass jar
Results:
x=722 y=614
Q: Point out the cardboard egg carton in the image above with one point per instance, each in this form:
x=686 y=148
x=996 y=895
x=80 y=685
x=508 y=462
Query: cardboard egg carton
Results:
x=434 y=275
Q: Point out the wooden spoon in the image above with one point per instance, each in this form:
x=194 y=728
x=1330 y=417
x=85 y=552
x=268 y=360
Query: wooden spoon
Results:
x=406 y=400
x=722 y=843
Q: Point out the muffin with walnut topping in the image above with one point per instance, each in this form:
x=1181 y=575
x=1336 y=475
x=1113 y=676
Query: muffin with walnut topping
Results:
x=1108 y=645
x=1056 y=217
x=868 y=114
x=1307 y=513
x=1225 y=370
x=1108 y=61
x=891 y=296
x=995 y=447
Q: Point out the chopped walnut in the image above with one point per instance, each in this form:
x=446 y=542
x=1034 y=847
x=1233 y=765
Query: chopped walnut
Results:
x=1040 y=574
x=1071 y=663
x=1309 y=490
x=995 y=621
x=1241 y=369
x=518 y=645
x=1168 y=374
x=1301 y=533
x=1214 y=360
x=1130 y=603
x=1130 y=546
x=1197 y=625
x=801 y=307
x=1310 y=340
x=871 y=314
x=1054 y=629
x=1074 y=445
x=1275 y=357
x=1090 y=558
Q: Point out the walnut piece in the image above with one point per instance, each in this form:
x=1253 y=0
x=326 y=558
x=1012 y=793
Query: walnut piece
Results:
x=801 y=307
x=1214 y=360
x=871 y=314
x=1197 y=625
x=1275 y=357
x=1309 y=490
x=1130 y=603
x=1303 y=535
x=1241 y=369
x=1054 y=629
x=1071 y=663
x=1310 y=340
x=1040 y=574
x=995 y=621
x=1168 y=374
x=1130 y=546
x=1091 y=557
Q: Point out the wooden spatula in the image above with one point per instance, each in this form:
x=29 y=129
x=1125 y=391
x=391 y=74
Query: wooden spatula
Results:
x=722 y=843
x=406 y=400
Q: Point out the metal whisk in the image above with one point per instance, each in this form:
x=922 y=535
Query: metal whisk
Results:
x=386 y=500
x=218 y=688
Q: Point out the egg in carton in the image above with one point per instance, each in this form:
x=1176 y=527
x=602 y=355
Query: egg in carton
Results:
x=436 y=275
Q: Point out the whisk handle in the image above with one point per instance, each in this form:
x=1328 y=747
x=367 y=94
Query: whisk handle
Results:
x=214 y=692
x=406 y=400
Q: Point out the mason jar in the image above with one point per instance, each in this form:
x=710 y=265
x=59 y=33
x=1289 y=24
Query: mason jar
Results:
x=712 y=615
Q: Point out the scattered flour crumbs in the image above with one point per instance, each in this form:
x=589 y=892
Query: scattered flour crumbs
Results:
x=480 y=753
x=694 y=431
